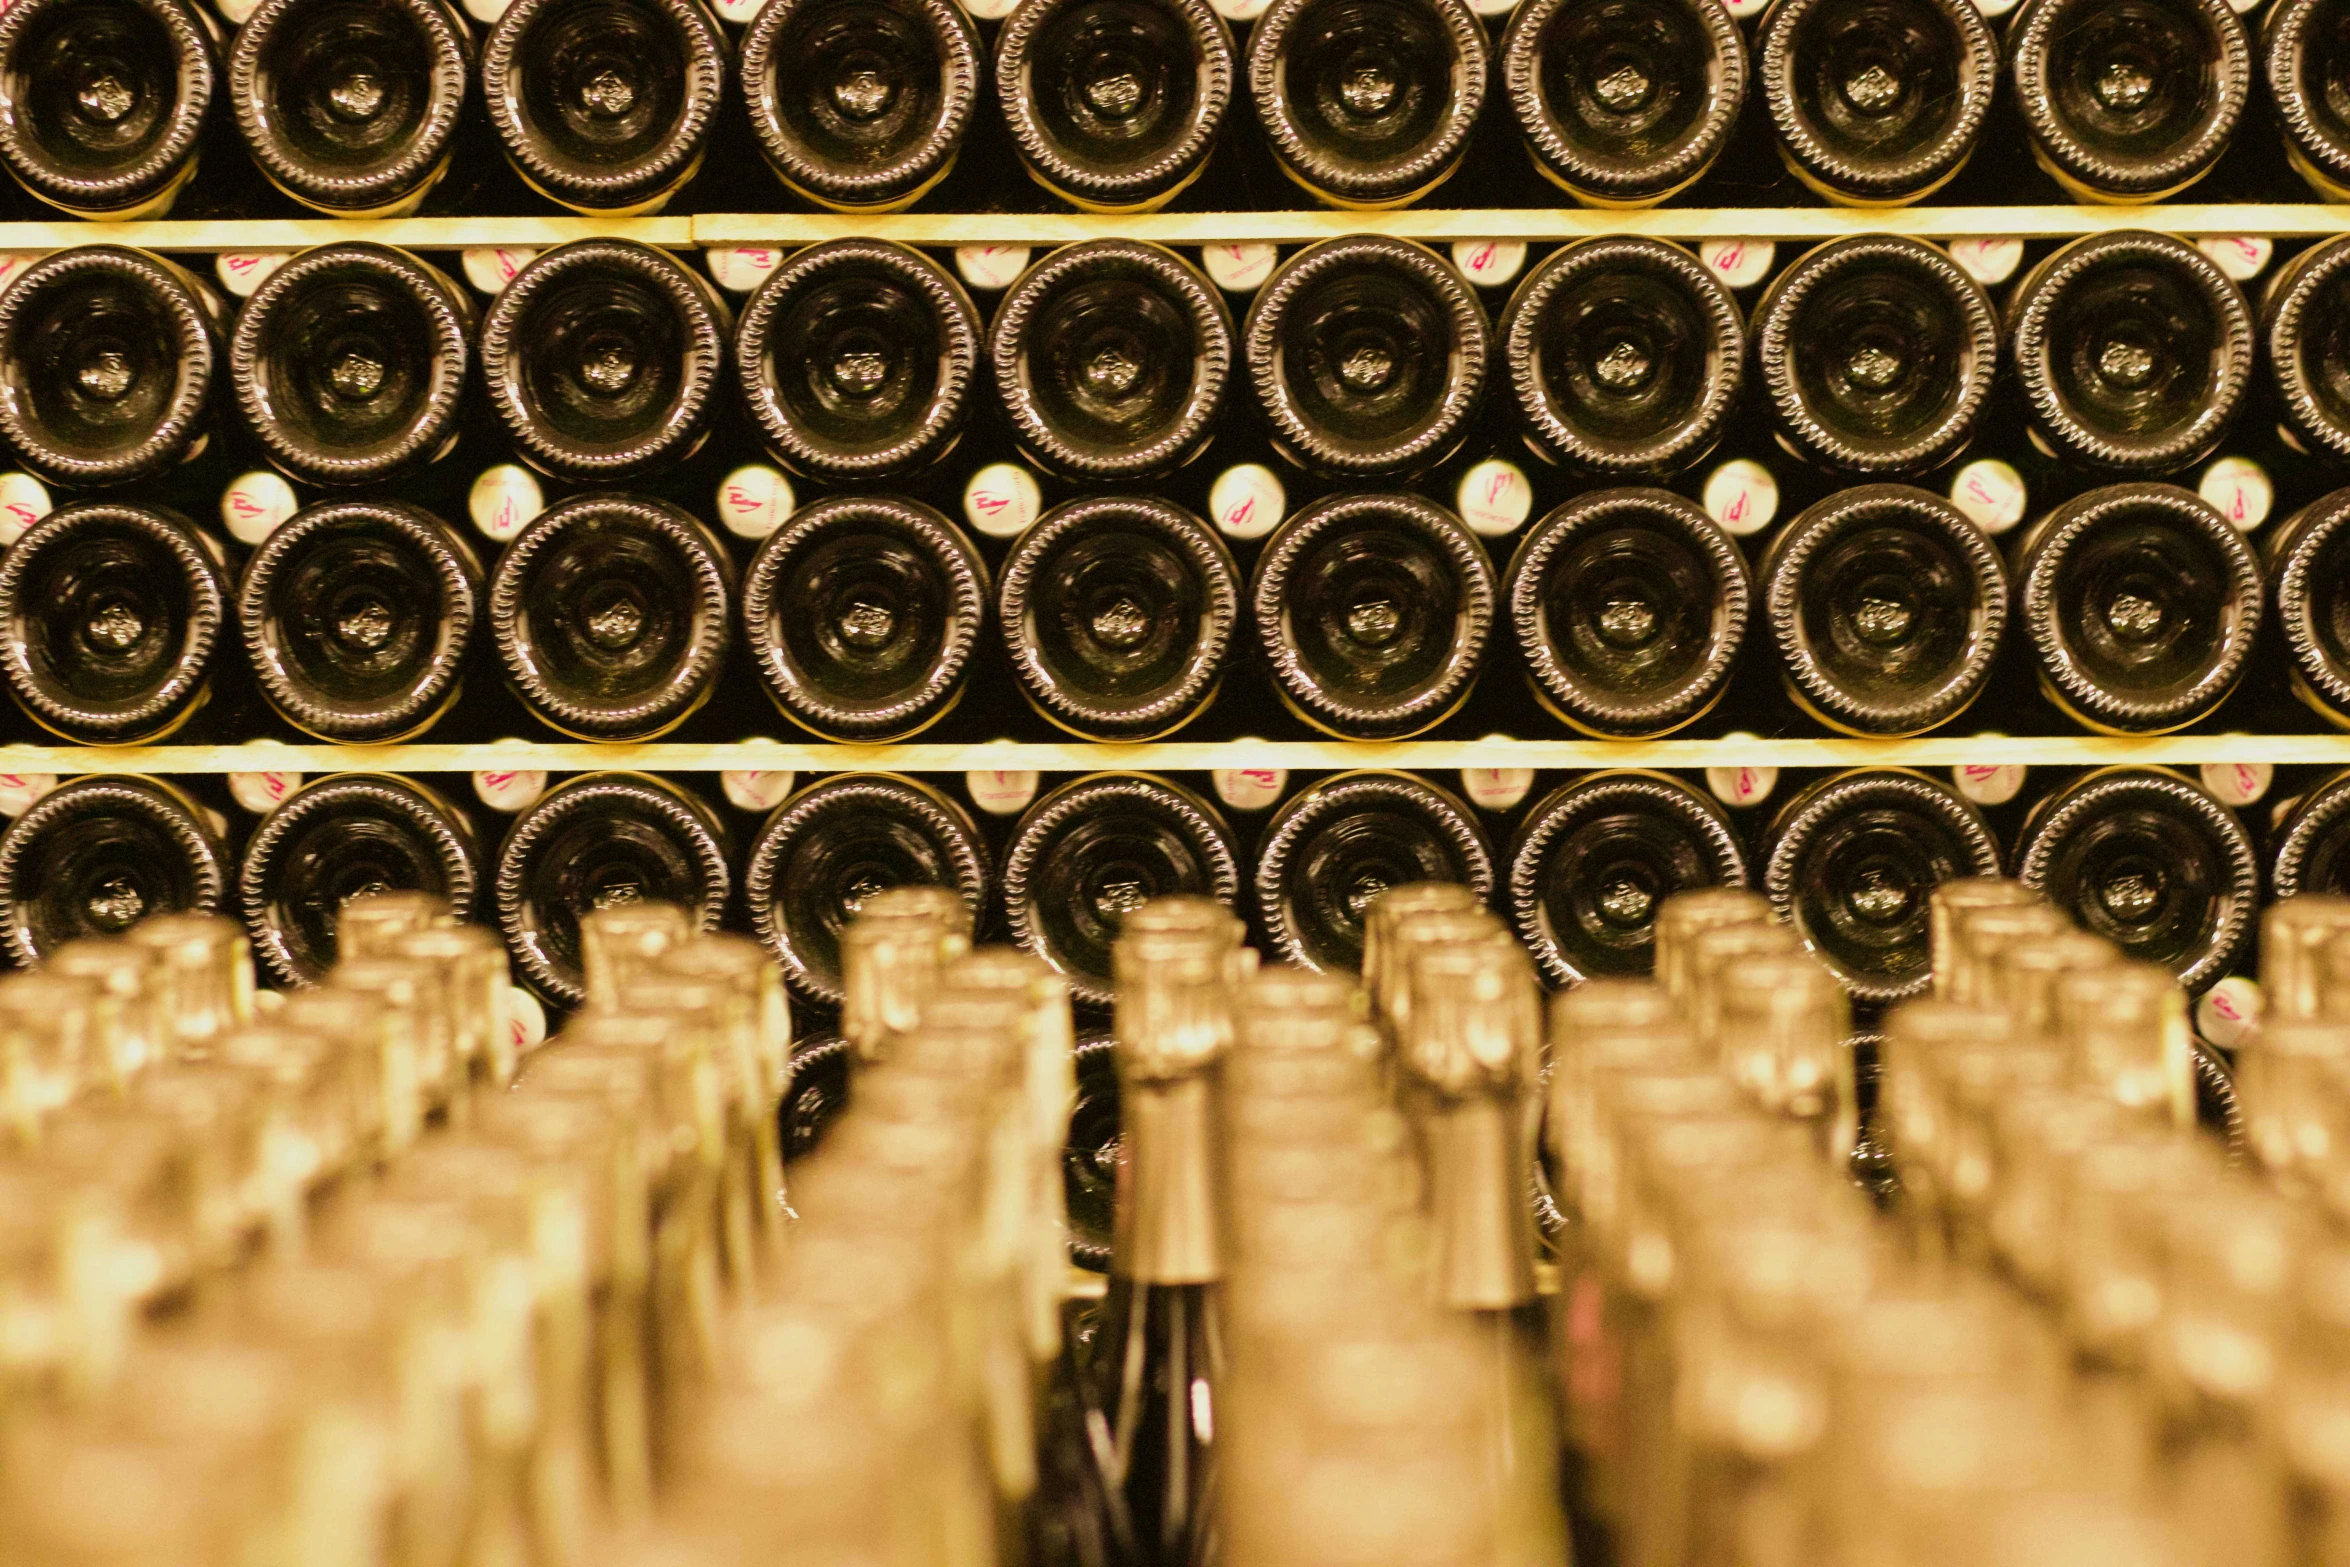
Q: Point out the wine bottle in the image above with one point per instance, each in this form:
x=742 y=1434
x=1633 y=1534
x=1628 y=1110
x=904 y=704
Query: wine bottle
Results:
x=2149 y=861
x=1875 y=104
x=1624 y=105
x=2301 y=57
x=352 y=108
x=2306 y=563
x=1337 y=844
x=1098 y=847
x=1373 y=612
x=358 y=616
x=106 y=365
x=819 y=1092
x=102 y=105
x=2302 y=319
x=349 y=363
x=1624 y=354
x=1594 y=860
x=612 y=615
x=598 y=841
x=2133 y=351
x=1111 y=357
x=603 y=359
x=604 y=105
x=2142 y=604
x=1368 y=105
x=1887 y=606
x=859 y=360
x=836 y=843
x=1876 y=354
x=351 y=835
x=110 y=618
x=1091 y=1157
x=861 y=107
x=863 y=614
x=2129 y=100
x=1852 y=862
x=1120 y=613
x=2312 y=852
x=1629 y=607
x=1114 y=105
x=96 y=855
x=1367 y=355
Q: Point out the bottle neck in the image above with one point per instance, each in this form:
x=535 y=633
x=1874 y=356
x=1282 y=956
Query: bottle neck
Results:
x=1478 y=1177
x=1169 y=1229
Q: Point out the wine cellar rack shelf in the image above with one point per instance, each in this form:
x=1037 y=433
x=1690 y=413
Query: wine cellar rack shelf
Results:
x=1935 y=751
x=1432 y=224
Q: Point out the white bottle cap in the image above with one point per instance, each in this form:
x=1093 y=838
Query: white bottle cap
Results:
x=490 y=268
x=2229 y=1012
x=1238 y=268
x=2237 y=783
x=754 y=501
x=1240 y=10
x=740 y=268
x=262 y=792
x=509 y=788
x=24 y=500
x=2242 y=257
x=1496 y=788
x=1741 y=785
x=1247 y=501
x=1741 y=263
x=1742 y=496
x=740 y=12
x=1989 y=261
x=1991 y=494
x=755 y=791
x=235 y=12
x=1995 y=7
x=990 y=267
x=18 y=791
x=255 y=505
x=1001 y=500
x=1000 y=793
x=526 y=1020
x=1494 y=498
x=1489 y=263
x=2238 y=489
x=1988 y=783
x=241 y=271
x=504 y=499
x=1249 y=788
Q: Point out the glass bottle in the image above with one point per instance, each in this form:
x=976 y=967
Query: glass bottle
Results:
x=2133 y=351
x=2310 y=857
x=103 y=105
x=1625 y=353
x=612 y=615
x=605 y=107
x=2129 y=102
x=346 y=837
x=863 y=615
x=1373 y=612
x=1953 y=903
x=861 y=108
x=107 y=356
x=1335 y=846
x=1114 y=105
x=349 y=363
x=113 y=617
x=603 y=357
x=1887 y=606
x=1111 y=357
x=1875 y=105
x=1119 y=613
x=2304 y=562
x=1367 y=355
x=859 y=360
x=359 y=618
x=1368 y=105
x=2303 y=338
x=352 y=109
x=2141 y=604
x=1876 y=354
x=98 y=854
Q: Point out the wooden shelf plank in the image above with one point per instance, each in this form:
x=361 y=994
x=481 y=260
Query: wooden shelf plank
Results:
x=1180 y=756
